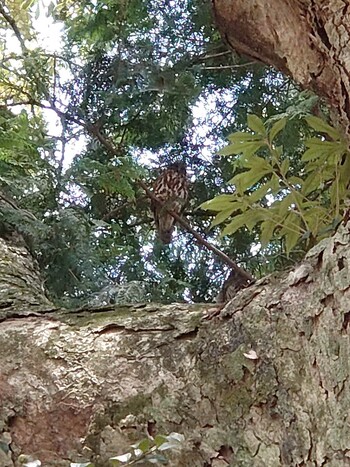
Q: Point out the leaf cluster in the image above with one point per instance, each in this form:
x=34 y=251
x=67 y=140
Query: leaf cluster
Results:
x=299 y=207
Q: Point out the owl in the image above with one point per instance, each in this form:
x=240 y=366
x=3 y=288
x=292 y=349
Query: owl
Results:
x=171 y=188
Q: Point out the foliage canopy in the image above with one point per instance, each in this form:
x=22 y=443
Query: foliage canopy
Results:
x=155 y=80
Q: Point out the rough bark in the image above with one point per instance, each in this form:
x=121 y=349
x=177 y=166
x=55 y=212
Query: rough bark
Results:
x=86 y=384
x=266 y=384
x=21 y=289
x=306 y=39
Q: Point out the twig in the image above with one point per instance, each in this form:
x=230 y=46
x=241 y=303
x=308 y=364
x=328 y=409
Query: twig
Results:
x=117 y=210
x=14 y=26
x=227 y=67
x=219 y=54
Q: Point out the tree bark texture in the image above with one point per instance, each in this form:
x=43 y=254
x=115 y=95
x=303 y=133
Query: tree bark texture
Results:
x=21 y=289
x=306 y=39
x=265 y=384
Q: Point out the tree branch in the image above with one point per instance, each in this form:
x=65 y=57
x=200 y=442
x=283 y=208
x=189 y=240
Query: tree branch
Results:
x=228 y=67
x=219 y=54
x=14 y=26
x=110 y=147
x=196 y=235
x=94 y=130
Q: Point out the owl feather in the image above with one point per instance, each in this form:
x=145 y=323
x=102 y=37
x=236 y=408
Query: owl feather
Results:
x=171 y=189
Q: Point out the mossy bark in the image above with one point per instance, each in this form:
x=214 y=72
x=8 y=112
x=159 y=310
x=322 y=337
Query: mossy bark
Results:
x=264 y=384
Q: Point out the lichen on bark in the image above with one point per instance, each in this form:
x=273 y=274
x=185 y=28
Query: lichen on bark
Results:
x=264 y=384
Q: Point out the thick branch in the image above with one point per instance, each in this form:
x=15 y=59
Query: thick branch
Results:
x=307 y=40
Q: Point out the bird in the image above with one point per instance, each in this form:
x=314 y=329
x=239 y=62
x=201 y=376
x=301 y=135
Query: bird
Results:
x=171 y=189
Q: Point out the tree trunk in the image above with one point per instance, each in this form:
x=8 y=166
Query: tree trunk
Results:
x=306 y=39
x=266 y=384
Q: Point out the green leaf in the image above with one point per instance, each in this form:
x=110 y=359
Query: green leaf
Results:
x=248 y=179
x=144 y=445
x=267 y=229
x=240 y=136
x=314 y=218
x=283 y=205
x=248 y=148
x=291 y=231
x=159 y=440
x=293 y=180
x=319 y=149
x=285 y=167
x=218 y=203
x=237 y=222
x=276 y=128
x=221 y=217
x=334 y=193
x=311 y=183
x=292 y=239
x=256 y=124
x=114 y=462
x=260 y=193
x=320 y=125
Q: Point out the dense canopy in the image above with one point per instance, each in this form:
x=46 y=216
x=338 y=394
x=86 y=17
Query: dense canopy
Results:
x=154 y=81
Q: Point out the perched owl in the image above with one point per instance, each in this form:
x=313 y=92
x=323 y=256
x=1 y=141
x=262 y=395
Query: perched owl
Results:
x=171 y=188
